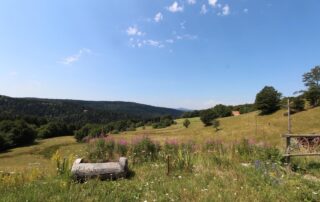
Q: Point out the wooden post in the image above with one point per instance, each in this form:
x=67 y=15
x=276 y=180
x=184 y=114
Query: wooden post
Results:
x=289 y=118
x=256 y=131
x=168 y=165
x=288 y=140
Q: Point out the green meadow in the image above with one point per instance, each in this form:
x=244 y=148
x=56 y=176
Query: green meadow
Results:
x=228 y=171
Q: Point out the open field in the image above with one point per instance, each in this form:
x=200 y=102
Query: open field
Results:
x=215 y=176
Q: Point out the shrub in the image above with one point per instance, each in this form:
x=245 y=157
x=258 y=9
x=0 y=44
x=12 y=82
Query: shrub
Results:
x=184 y=160
x=298 y=104
x=122 y=147
x=171 y=147
x=144 y=149
x=186 y=123
x=222 y=110
x=216 y=124
x=207 y=116
x=100 y=150
x=16 y=133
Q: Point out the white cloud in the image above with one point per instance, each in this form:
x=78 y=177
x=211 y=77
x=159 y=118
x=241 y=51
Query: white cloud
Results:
x=134 y=31
x=170 y=41
x=187 y=36
x=149 y=42
x=153 y=43
x=74 y=58
x=158 y=17
x=204 y=9
x=192 y=1
x=226 y=10
x=175 y=7
x=245 y=10
x=212 y=2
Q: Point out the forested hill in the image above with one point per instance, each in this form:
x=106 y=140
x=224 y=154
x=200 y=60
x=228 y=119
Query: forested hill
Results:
x=78 y=111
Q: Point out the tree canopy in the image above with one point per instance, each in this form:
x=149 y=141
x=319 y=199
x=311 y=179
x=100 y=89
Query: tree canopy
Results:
x=268 y=100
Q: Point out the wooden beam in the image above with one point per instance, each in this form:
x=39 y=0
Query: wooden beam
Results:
x=300 y=135
x=306 y=154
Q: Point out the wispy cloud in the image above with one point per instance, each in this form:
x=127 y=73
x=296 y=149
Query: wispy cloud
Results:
x=134 y=31
x=245 y=10
x=74 y=58
x=137 y=43
x=204 y=9
x=186 y=36
x=212 y=2
x=175 y=8
x=226 y=10
x=191 y=2
x=158 y=17
x=153 y=43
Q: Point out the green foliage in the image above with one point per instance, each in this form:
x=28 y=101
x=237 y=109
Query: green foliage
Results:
x=184 y=160
x=78 y=112
x=298 y=104
x=312 y=78
x=207 y=116
x=122 y=147
x=216 y=124
x=100 y=150
x=245 y=108
x=63 y=165
x=53 y=129
x=313 y=95
x=222 y=110
x=268 y=100
x=144 y=150
x=191 y=114
x=16 y=133
x=164 y=122
x=186 y=123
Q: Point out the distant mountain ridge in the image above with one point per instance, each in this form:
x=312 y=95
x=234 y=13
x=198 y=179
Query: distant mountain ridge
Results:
x=80 y=111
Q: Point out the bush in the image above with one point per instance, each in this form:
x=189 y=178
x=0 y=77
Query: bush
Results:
x=313 y=96
x=171 y=147
x=298 y=104
x=54 y=130
x=122 y=147
x=216 y=124
x=100 y=150
x=186 y=123
x=268 y=100
x=207 y=116
x=222 y=110
x=144 y=149
x=16 y=133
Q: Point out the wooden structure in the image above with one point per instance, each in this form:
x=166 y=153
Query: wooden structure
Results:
x=109 y=170
x=301 y=145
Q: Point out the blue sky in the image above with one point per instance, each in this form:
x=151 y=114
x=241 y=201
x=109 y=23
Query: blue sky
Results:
x=187 y=53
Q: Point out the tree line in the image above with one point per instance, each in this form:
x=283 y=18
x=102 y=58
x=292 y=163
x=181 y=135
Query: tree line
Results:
x=268 y=100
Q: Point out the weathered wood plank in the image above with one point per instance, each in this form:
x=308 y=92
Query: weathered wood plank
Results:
x=300 y=135
x=306 y=154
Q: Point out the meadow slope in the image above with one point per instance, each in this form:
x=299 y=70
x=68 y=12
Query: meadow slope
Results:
x=217 y=175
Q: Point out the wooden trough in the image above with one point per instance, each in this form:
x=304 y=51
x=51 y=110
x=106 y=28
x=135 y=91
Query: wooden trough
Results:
x=103 y=171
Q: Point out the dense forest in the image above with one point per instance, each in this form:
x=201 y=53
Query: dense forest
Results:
x=79 y=112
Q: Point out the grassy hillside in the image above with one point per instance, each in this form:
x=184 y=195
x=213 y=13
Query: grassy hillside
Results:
x=268 y=128
x=216 y=176
x=232 y=129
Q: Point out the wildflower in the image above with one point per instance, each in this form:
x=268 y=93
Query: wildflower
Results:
x=179 y=177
